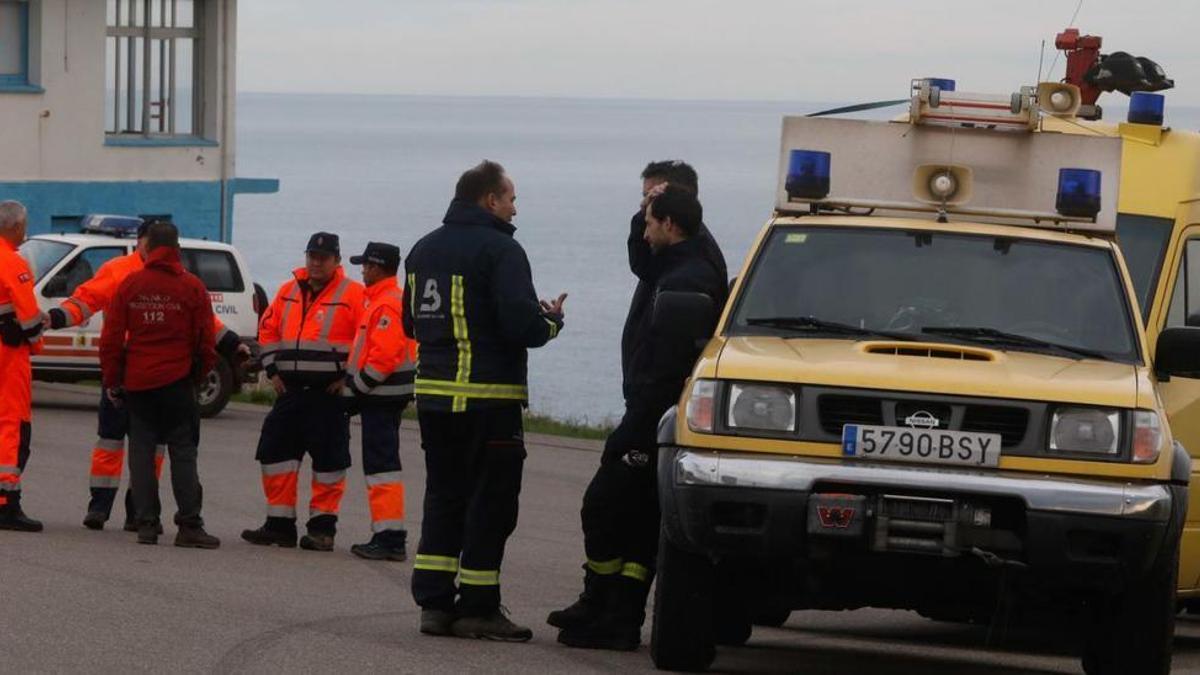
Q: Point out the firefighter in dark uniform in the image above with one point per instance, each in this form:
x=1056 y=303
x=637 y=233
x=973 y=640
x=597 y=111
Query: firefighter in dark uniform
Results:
x=620 y=508
x=470 y=304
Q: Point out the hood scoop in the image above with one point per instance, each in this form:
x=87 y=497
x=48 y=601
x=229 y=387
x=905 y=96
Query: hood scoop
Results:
x=929 y=351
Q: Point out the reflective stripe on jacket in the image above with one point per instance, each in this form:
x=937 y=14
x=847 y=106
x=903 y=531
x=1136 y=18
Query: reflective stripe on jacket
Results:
x=383 y=358
x=306 y=336
x=20 y=318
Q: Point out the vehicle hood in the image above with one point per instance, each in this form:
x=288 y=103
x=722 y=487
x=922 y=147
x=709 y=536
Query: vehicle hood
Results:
x=929 y=368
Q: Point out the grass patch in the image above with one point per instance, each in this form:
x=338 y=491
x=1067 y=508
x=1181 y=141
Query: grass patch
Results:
x=534 y=423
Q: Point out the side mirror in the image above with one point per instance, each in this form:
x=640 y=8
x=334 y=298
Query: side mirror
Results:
x=1178 y=353
x=684 y=314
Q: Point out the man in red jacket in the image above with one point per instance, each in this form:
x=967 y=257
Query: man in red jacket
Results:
x=156 y=343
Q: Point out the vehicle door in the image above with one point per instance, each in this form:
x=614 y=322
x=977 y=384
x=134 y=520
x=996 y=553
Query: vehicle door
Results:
x=1178 y=304
x=79 y=345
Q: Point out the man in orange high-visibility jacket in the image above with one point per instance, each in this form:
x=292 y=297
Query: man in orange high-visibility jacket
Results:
x=380 y=376
x=20 y=335
x=305 y=336
x=108 y=454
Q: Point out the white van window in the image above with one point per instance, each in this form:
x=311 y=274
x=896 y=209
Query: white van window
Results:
x=217 y=269
x=79 y=270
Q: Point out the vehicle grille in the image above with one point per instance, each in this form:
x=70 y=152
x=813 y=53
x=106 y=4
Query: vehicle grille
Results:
x=837 y=410
x=1010 y=423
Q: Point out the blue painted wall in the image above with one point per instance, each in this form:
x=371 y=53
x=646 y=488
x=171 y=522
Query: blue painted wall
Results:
x=195 y=206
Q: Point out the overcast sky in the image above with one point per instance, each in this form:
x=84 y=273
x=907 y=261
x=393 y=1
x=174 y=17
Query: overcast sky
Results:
x=816 y=50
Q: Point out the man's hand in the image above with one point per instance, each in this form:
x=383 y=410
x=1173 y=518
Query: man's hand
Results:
x=242 y=352
x=653 y=192
x=116 y=396
x=335 y=387
x=277 y=383
x=555 y=307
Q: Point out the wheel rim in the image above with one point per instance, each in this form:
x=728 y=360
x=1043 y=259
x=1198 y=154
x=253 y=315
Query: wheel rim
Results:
x=209 y=389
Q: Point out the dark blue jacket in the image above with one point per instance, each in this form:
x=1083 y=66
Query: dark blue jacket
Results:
x=469 y=303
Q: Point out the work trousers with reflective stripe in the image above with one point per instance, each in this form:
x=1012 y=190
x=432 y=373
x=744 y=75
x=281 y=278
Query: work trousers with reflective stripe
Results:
x=15 y=415
x=473 y=464
x=168 y=414
x=620 y=515
x=381 y=464
x=305 y=420
x=108 y=459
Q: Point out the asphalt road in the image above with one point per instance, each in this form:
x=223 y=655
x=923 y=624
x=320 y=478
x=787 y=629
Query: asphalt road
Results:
x=76 y=600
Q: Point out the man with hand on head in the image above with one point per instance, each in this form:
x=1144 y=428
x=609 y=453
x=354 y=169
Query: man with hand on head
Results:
x=620 y=512
x=156 y=346
x=380 y=376
x=306 y=335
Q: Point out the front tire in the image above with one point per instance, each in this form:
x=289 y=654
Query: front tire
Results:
x=681 y=637
x=214 y=391
x=1133 y=632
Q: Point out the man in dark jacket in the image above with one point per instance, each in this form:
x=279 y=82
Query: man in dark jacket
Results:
x=156 y=344
x=620 y=508
x=644 y=264
x=470 y=304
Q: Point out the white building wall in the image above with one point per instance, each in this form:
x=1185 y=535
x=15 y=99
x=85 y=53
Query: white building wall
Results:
x=59 y=135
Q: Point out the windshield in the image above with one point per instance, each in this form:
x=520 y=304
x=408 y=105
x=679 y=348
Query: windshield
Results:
x=43 y=254
x=874 y=283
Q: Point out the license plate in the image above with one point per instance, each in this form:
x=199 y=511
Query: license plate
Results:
x=926 y=446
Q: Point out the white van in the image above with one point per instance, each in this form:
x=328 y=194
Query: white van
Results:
x=61 y=262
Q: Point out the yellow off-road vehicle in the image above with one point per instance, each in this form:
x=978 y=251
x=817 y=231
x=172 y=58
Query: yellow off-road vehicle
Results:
x=959 y=373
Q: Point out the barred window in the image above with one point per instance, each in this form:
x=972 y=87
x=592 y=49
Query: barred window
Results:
x=154 y=69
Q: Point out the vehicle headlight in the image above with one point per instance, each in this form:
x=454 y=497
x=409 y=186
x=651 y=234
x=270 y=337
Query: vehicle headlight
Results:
x=701 y=406
x=761 y=407
x=1094 y=431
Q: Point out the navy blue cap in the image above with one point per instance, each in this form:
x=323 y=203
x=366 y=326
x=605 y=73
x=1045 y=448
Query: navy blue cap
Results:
x=378 y=253
x=324 y=242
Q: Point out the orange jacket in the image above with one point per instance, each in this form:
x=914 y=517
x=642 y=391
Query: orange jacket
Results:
x=383 y=359
x=306 y=336
x=20 y=318
x=95 y=294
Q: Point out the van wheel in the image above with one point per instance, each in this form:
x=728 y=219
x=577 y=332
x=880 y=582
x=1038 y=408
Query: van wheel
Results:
x=1134 y=630
x=214 y=391
x=681 y=637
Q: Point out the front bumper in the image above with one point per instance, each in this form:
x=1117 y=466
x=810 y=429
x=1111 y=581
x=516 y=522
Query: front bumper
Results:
x=748 y=504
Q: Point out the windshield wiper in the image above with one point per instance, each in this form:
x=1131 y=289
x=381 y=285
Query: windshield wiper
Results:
x=993 y=336
x=813 y=324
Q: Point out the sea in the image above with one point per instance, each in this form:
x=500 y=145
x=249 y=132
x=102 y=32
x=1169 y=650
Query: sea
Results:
x=383 y=168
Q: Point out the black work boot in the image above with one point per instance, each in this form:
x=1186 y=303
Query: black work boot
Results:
x=146 y=534
x=491 y=626
x=317 y=541
x=389 y=545
x=12 y=517
x=276 y=531
x=619 y=626
x=589 y=605
x=195 y=537
x=94 y=520
x=131 y=525
x=437 y=621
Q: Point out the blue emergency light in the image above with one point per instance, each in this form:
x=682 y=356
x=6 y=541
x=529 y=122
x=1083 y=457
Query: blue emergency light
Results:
x=942 y=83
x=1078 y=193
x=116 y=226
x=808 y=174
x=1146 y=108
